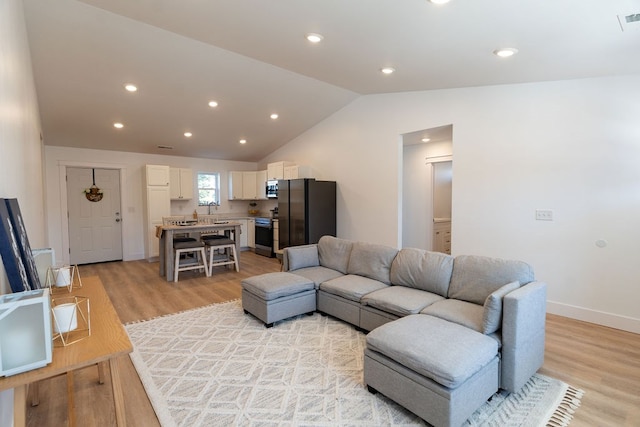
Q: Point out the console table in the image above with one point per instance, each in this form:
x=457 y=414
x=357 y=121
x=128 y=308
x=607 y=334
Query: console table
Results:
x=166 y=233
x=107 y=343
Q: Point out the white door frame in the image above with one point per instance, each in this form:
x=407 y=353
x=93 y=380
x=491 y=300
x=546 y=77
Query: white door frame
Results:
x=64 y=220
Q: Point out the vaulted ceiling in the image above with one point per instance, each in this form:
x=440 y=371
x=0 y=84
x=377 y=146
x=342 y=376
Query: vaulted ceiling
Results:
x=252 y=58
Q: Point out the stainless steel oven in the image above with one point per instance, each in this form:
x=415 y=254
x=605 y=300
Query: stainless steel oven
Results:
x=264 y=237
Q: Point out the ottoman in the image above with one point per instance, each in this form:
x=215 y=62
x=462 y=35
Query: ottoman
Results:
x=439 y=370
x=276 y=296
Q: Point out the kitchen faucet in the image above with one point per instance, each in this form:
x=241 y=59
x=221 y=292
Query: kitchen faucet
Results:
x=209 y=207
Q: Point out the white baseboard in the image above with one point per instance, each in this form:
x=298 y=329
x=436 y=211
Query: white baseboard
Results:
x=616 y=321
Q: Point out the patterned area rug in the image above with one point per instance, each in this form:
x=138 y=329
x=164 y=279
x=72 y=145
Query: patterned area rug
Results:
x=217 y=366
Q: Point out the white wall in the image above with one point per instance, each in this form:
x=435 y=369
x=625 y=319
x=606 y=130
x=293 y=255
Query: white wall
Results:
x=57 y=159
x=571 y=146
x=20 y=146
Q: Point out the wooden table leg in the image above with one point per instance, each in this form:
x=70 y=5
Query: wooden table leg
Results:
x=71 y=405
x=35 y=393
x=118 y=399
x=101 y=372
x=20 y=406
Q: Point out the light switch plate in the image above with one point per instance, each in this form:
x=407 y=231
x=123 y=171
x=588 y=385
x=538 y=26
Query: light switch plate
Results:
x=544 y=215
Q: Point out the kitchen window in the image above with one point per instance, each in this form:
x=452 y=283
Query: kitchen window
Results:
x=208 y=189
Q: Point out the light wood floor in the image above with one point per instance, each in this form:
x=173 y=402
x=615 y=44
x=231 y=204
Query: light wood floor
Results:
x=604 y=362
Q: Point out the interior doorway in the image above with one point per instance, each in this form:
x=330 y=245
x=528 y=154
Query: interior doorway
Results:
x=95 y=227
x=427 y=171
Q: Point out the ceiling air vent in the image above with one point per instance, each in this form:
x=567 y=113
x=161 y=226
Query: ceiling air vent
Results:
x=629 y=22
x=165 y=147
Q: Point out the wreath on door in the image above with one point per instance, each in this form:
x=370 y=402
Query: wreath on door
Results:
x=93 y=193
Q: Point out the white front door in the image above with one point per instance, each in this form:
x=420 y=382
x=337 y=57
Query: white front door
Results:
x=95 y=228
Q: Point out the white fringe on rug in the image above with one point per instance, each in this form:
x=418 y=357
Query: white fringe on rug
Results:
x=566 y=407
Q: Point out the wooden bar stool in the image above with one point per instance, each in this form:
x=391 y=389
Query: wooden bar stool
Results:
x=222 y=251
x=198 y=261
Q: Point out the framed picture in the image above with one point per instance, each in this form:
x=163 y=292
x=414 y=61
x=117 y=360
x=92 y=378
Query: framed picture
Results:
x=23 y=243
x=10 y=252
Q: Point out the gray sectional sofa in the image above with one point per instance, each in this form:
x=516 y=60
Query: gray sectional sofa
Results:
x=446 y=332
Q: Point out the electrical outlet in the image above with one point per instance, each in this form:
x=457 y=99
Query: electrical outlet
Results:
x=544 y=215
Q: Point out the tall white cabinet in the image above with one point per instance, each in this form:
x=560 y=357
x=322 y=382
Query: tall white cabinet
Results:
x=157 y=205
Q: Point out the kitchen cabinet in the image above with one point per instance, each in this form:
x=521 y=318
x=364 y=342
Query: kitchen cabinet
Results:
x=247 y=185
x=157 y=205
x=261 y=183
x=295 y=172
x=276 y=170
x=442 y=237
x=235 y=185
x=244 y=233
x=251 y=233
x=181 y=183
x=157 y=175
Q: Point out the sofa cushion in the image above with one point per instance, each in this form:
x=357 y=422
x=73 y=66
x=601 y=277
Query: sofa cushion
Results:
x=351 y=287
x=400 y=300
x=456 y=311
x=318 y=274
x=334 y=253
x=474 y=278
x=302 y=256
x=443 y=351
x=492 y=316
x=372 y=261
x=417 y=268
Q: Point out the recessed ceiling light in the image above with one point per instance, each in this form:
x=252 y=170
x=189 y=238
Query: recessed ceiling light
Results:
x=425 y=139
x=387 y=70
x=213 y=104
x=130 y=87
x=188 y=134
x=243 y=141
x=505 y=52
x=439 y=1
x=274 y=116
x=314 y=37
x=118 y=125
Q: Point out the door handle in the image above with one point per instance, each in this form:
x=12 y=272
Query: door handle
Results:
x=117 y=219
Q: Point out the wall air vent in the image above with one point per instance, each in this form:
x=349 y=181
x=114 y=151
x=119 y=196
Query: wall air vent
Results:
x=629 y=22
x=165 y=147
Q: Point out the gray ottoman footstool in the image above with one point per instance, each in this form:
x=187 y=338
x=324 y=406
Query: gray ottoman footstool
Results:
x=442 y=375
x=276 y=296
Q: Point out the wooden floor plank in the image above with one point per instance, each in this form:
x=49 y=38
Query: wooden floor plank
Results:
x=604 y=362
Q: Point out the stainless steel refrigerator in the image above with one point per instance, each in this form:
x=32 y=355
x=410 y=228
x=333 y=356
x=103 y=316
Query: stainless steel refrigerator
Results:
x=306 y=211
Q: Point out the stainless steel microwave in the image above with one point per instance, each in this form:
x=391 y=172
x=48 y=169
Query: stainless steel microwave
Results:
x=272 y=189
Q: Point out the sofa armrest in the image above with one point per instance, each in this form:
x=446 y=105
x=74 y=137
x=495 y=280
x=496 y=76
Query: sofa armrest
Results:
x=296 y=257
x=523 y=334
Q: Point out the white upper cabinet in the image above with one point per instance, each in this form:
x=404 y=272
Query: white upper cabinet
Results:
x=235 y=185
x=157 y=175
x=261 y=183
x=295 y=172
x=276 y=170
x=247 y=185
x=181 y=183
